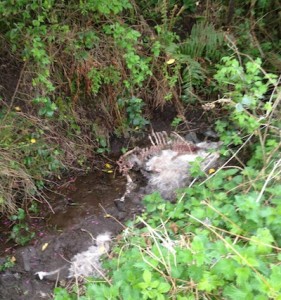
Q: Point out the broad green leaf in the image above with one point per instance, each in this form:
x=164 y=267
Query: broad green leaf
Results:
x=225 y=268
x=262 y=238
x=209 y=282
x=164 y=287
x=147 y=276
x=234 y=293
x=243 y=274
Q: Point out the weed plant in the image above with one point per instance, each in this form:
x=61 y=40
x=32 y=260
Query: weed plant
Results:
x=88 y=69
x=221 y=238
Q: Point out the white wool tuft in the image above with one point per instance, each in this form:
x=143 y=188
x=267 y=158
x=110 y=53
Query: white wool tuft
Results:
x=103 y=239
x=170 y=170
x=86 y=263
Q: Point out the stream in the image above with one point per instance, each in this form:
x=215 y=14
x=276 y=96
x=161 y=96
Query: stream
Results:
x=84 y=207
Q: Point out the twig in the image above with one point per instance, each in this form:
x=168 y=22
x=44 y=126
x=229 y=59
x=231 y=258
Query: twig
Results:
x=15 y=92
x=238 y=150
x=270 y=176
x=110 y=216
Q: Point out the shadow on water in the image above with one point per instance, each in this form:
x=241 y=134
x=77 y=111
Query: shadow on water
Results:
x=81 y=197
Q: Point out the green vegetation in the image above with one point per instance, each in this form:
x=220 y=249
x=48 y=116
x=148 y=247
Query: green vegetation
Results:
x=221 y=239
x=8 y=263
x=89 y=70
x=20 y=231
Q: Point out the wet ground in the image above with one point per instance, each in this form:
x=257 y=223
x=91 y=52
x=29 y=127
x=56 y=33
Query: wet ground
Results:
x=84 y=207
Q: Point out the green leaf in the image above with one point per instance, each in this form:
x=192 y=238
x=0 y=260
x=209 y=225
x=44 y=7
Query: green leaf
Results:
x=147 y=276
x=262 y=237
x=195 y=272
x=235 y=293
x=243 y=274
x=209 y=282
x=274 y=278
x=164 y=287
x=225 y=268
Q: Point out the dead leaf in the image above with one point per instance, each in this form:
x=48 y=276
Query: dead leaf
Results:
x=170 y=61
x=174 y=228
x=44 y=247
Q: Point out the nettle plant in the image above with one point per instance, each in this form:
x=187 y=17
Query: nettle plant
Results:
x=29 y=19
x=244 y=89
x=216 y=242
x=134 y=108
x=20 y=232
x=127 y=39
x=219 y=241
x=221 y=238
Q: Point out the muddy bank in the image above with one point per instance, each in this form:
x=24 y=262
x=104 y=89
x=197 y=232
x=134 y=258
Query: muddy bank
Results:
x=83 y=209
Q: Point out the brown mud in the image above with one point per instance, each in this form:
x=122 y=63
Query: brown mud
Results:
x=84 y=209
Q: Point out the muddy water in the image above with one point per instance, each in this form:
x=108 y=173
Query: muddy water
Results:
x=84 y=207
x=84 y=196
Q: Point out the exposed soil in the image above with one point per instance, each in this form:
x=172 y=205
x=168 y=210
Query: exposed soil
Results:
x=9 y=73
x=83 y=210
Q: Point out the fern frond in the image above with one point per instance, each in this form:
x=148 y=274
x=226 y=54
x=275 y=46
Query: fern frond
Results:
x=193 y=75
x=203 y=41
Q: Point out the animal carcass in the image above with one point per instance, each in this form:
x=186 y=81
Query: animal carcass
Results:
x=166 y=163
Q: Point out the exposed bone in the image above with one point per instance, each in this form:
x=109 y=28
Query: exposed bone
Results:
x=151 y=140
x=166 y=162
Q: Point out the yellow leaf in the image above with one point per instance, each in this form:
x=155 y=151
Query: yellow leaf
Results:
x=211 y=171
x=170 y=61
x=108 y=166
x=44 y=247
x=108 y=171
x=17 y=108
x=13 y=259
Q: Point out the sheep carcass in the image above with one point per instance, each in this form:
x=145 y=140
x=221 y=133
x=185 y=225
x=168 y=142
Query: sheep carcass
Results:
x=166 y=163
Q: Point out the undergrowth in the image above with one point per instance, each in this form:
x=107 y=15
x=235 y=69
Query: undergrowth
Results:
x=91 y=70
x=221 y=238
x=26 y=159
